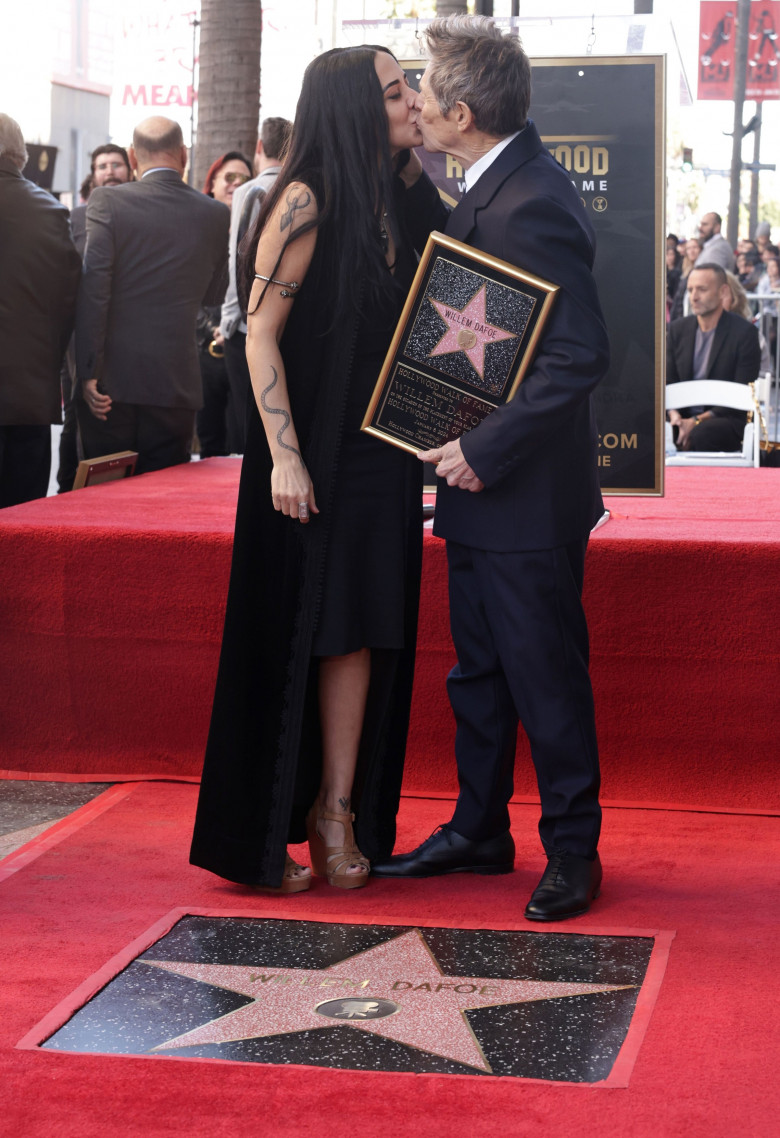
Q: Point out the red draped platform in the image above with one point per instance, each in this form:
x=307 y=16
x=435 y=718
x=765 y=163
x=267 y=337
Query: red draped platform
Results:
x=112 y=606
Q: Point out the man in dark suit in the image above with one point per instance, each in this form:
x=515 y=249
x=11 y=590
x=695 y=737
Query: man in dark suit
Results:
x=110 y=166
x=519 y=494
x=156 y=250
x=711 y=343
x=38 y=284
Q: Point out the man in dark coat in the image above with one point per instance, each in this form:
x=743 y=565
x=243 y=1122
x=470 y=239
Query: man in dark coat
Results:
x=518 y=494
x=110 y=167
x=156 y=250
x=711 y=343
x=38 y=283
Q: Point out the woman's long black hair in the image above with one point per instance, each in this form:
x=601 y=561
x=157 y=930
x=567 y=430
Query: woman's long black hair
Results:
x=340 y=149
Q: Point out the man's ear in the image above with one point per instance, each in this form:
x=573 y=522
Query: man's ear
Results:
x=131 y=154
x=462 y=115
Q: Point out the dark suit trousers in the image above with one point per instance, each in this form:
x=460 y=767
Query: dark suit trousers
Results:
x=240 y=387
x=212 y=417
x=162 y=436
x=25 y=464
x=720 y=433
x=522 y=643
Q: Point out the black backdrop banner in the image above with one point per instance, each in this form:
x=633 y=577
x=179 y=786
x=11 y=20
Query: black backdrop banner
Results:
x=603 y=118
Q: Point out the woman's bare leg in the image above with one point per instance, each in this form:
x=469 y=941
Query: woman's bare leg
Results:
x=343 y=690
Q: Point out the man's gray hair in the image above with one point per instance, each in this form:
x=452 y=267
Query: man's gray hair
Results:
x=711 y=267
x=12 y=142
x=472 y=62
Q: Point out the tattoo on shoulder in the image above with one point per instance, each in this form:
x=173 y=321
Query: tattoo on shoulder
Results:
x=278 y=411
x=295 y=200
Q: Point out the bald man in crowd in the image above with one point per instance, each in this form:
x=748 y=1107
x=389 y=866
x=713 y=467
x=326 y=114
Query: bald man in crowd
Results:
x=156 y=250
x=715 y=249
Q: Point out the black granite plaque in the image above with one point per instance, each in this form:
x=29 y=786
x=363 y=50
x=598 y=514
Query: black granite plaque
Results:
x=551 y=1006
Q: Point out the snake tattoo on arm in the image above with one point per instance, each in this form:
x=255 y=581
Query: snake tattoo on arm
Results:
x=278 y=411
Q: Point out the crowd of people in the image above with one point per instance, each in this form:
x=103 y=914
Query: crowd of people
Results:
x=721 y=324
x=141 y=282
x=753 y=268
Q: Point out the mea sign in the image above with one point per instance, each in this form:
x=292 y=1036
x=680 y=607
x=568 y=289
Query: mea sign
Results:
x=157 y=95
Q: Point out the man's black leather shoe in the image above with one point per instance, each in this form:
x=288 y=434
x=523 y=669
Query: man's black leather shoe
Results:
x=568 y=886
x=448 y=852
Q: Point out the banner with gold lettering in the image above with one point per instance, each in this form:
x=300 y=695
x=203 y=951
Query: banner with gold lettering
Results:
x=603 y=119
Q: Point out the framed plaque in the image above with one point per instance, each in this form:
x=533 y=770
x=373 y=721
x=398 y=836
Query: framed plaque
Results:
x=466 y=338
x=109 y=468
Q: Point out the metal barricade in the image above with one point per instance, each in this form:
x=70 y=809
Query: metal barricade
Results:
x=766 y=314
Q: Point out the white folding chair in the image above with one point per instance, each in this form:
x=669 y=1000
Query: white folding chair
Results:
x=714 y=393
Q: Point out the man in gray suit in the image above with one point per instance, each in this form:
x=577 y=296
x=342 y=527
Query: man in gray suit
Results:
x=716 y=249
x=156 y=250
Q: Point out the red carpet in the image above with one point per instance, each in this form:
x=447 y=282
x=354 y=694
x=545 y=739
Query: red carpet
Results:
x=704 y=1070
x=113 y=600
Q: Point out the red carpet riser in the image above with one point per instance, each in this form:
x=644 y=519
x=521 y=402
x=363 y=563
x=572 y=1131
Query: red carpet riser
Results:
x=113 y=600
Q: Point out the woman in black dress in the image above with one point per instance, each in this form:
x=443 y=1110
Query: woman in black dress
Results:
x=311 y=710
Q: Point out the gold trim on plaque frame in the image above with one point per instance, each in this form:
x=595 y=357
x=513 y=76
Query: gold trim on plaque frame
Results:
x=436 y=245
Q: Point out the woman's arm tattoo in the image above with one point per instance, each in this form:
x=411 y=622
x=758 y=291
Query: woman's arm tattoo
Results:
x=278 y=411
x=296 y=199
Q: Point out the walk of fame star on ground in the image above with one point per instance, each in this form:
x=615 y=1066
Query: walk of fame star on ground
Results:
x=399 y=982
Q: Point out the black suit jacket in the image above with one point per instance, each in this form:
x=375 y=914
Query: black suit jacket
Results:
x=39 y=275
x=735 y=354
x=537 y=453
x=156 y=250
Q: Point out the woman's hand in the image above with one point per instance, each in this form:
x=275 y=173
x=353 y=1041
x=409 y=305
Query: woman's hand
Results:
x=408 y=167
x=292 y=490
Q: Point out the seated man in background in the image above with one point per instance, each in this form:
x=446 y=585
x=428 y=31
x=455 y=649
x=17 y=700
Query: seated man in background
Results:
x=711 y=343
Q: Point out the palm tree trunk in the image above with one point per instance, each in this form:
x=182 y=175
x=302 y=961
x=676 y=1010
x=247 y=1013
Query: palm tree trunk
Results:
x=228 y=81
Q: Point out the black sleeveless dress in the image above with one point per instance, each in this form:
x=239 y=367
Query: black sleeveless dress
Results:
x=348 y=579
x=364 y=586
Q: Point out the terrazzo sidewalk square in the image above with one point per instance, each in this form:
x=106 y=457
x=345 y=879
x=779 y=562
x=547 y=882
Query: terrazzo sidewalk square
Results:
x=551 y=1006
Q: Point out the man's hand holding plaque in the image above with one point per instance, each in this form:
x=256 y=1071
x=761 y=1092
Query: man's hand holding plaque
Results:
x=452 y=466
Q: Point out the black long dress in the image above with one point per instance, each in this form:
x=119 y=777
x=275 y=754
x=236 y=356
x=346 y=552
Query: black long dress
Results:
x=348 y=579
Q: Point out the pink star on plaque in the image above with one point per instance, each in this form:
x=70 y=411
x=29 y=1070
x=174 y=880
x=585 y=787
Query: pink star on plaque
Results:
x=468 y=331
x=395 y=990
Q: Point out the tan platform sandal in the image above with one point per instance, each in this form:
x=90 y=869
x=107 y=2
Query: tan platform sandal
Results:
x=290 y=882
x=333 y=861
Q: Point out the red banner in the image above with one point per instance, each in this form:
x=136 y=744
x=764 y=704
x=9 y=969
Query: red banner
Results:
x=717 y=50
x=763 y=63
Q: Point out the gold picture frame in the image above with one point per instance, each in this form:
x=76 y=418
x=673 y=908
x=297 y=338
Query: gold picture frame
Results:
x=466 y=338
